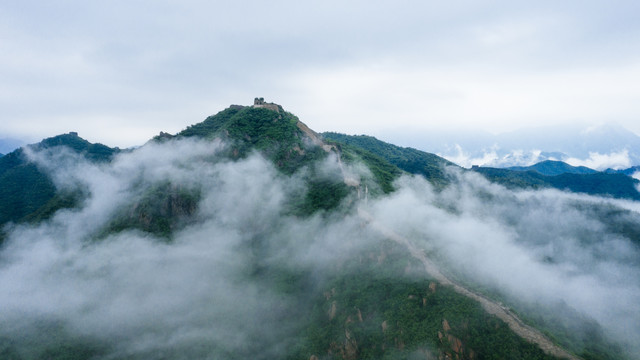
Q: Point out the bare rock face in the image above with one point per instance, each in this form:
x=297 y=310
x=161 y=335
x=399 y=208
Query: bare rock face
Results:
x=350 y=346
x=445 y=325
x=456 y=348
x=329 y=294
x=333 y=310
x=456 y=344
x=432 y=287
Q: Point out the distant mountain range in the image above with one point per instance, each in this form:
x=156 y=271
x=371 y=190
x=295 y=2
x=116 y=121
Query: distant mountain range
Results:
x=552 y=168
x=597 y=147
x=616 y=185
x=632 y=171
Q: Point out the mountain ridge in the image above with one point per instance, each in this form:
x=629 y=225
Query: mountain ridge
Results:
x=27 y=193
x=553 y=167
x=598 y=147
x=355 y=300
x=598 y=183
x=413 y=161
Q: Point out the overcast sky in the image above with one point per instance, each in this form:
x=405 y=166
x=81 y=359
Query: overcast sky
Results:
x=119 y=72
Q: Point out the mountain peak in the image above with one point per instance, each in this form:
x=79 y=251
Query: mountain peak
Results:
x=554 y=167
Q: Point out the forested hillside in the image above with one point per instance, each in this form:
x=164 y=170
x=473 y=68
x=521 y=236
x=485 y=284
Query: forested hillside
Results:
x=27 y=192
x=410 y=160
x=551 y=168
x=599 y=183
x=248 y=235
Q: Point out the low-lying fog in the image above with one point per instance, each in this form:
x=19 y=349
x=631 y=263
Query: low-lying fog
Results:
x=144 y=295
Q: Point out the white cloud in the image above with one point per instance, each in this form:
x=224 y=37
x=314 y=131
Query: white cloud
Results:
x=147 y=295
x=467 y=161
x=493 y=157
x=535 y=245
x=597 y=161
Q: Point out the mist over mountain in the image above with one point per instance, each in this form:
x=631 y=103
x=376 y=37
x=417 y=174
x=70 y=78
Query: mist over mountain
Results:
x=597 y=147
x=248 y=235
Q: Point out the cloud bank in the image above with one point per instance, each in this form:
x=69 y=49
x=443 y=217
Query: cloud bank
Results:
x=495 y=157
x=538 y=246
x=597 y=161
x=197 y=296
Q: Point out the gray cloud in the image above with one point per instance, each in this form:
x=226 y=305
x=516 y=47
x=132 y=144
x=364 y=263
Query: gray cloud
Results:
x=147 y=295
x=144 y=67
x=196 y=295
x=538 y=246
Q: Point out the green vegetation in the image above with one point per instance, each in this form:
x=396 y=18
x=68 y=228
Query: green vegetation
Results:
x=603 y=184
x=162 y=209
x=27 y=193
x=24 y=190
x=383 y=172
x=513 y=179
x=212 y=125
x=375 y=303
x=320 y=195
x=570 y=329
x=408 y=159
x=618 y=221
x=275 y=134
x=551 y=168
x=50 y=340
x=387 y=309
x=615 y=185
x=629 y=171
x=94 y=152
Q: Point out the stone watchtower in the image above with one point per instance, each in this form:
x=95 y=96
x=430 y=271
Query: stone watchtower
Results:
x=260 y=103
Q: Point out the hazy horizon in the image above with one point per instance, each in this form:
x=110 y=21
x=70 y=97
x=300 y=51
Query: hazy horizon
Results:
x=121 y=72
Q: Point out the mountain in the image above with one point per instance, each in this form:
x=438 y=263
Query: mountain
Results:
x=413 y=161
x=276 y=133
x=248 y=235
x=27 y=192
x=551 y=168
x=629 y=171
x=545 y=175
x=597 y=147
x=575 y=141
x=598 y=183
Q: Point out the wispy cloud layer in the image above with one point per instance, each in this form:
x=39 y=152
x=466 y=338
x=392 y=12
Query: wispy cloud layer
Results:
x=197 y=295
x=597 y=161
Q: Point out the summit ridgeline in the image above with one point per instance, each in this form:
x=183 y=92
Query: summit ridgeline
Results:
x=250 y=220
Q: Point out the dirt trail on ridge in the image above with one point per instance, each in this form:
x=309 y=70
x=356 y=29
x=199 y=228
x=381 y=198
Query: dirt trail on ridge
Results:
x=515 y=324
